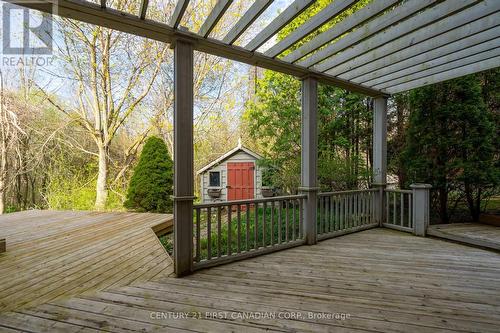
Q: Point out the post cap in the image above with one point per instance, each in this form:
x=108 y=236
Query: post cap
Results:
x=420 y=186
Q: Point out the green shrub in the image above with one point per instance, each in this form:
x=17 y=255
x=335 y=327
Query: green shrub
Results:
x=151 y=185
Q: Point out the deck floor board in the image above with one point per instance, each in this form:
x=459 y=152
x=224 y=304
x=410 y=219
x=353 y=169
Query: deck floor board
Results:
x=482 y=235
x=53 y=254
x=386 y=280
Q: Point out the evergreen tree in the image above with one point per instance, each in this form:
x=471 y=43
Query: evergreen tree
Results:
x=450 y=143
x=151 y=185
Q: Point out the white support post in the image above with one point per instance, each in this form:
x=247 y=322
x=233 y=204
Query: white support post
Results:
x=380 y=154
x=421 y=208
x=309 y=160
x=183 y=157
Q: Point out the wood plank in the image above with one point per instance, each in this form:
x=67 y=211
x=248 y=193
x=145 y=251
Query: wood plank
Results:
x=285 y=17
x=246 y=20
x=309 y=26
x=59 y=254
x=358 y=18
x=377 y=25
x=418 y=29
x=481 y=235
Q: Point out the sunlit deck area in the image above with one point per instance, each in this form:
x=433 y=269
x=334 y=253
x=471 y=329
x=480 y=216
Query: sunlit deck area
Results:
x=54 y=254
x=380 y=280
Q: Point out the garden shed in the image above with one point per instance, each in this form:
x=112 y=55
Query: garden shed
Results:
x=235 y=175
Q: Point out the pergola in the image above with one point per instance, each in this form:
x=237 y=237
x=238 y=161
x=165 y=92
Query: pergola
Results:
x=386 y=47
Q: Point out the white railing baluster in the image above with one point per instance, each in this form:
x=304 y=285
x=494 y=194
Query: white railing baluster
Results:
x=209 y=233
x=198 y=233
x=393 y=210
x=247 y=238
x=238 y=230
x=219 y=231
x=229 y=230
x=256 y=226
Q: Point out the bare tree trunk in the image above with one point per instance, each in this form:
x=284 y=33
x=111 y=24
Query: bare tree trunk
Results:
x=2 y=198
x=101 y=188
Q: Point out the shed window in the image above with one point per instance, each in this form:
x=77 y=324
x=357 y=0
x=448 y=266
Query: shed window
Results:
x=214 y=178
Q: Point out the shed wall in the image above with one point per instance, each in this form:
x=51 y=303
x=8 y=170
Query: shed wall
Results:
x=241 y=156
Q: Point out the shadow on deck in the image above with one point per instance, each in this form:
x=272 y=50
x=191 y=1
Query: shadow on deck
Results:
x=377 y=280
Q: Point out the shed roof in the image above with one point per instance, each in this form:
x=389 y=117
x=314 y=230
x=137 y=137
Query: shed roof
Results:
x=227 y=155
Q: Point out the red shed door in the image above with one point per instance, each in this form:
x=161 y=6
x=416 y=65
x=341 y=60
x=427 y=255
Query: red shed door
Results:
x=240 y=180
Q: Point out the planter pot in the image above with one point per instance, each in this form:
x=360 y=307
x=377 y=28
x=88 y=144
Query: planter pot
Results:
x=214 y=193
x=267 y=192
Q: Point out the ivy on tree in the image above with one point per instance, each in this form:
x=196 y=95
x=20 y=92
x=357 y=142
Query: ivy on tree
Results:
x=151 y=185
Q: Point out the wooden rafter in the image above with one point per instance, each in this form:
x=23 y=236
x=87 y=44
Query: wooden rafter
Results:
x=429 y=60
x=246 y=20
x=390 y=42
x=180 y=8
x=310 y=25
x=370 y=29
x=447 y=75
x=291 y=12
x=356 y=19
x=375 y=51
x=214 y=17
x=143 y=10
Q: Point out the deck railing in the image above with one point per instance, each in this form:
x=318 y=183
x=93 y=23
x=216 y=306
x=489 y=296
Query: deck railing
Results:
x=399 y=210
x=231 y=230
x=345 y=211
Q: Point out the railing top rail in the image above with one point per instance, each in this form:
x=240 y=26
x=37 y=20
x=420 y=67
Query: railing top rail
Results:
x=398 y=191
x=251 y=201
x=324 y=194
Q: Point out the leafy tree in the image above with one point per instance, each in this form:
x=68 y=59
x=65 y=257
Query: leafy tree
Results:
x=450 y=143
x=151 y=185
x=273 y=120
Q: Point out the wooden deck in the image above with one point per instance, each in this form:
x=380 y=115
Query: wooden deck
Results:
x=483 y=235
x=385 y=280
x=58 y=254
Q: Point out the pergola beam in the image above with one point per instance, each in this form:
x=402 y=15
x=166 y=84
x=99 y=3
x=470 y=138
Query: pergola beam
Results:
x=143 y=10
x=462 y=55
x=246 y=20
x=476 y=58
x=387 y=44
x=371 y=28
x=447 y=75
x=310 y=25
x=354 y=20
x=213 y=18
x=291 y=12
x=128 y=23
x=464 y=37
x=180 y=8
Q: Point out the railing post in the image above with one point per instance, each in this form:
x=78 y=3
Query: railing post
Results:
x=309 y=156
x=183 y=157
x=380 y=155
x=379 y=198
x=421 y=207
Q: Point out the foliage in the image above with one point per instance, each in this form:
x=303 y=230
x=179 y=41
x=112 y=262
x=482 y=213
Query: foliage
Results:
x=273 y=121
x=274 y=233
x=450 y=143
x=151 y=185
